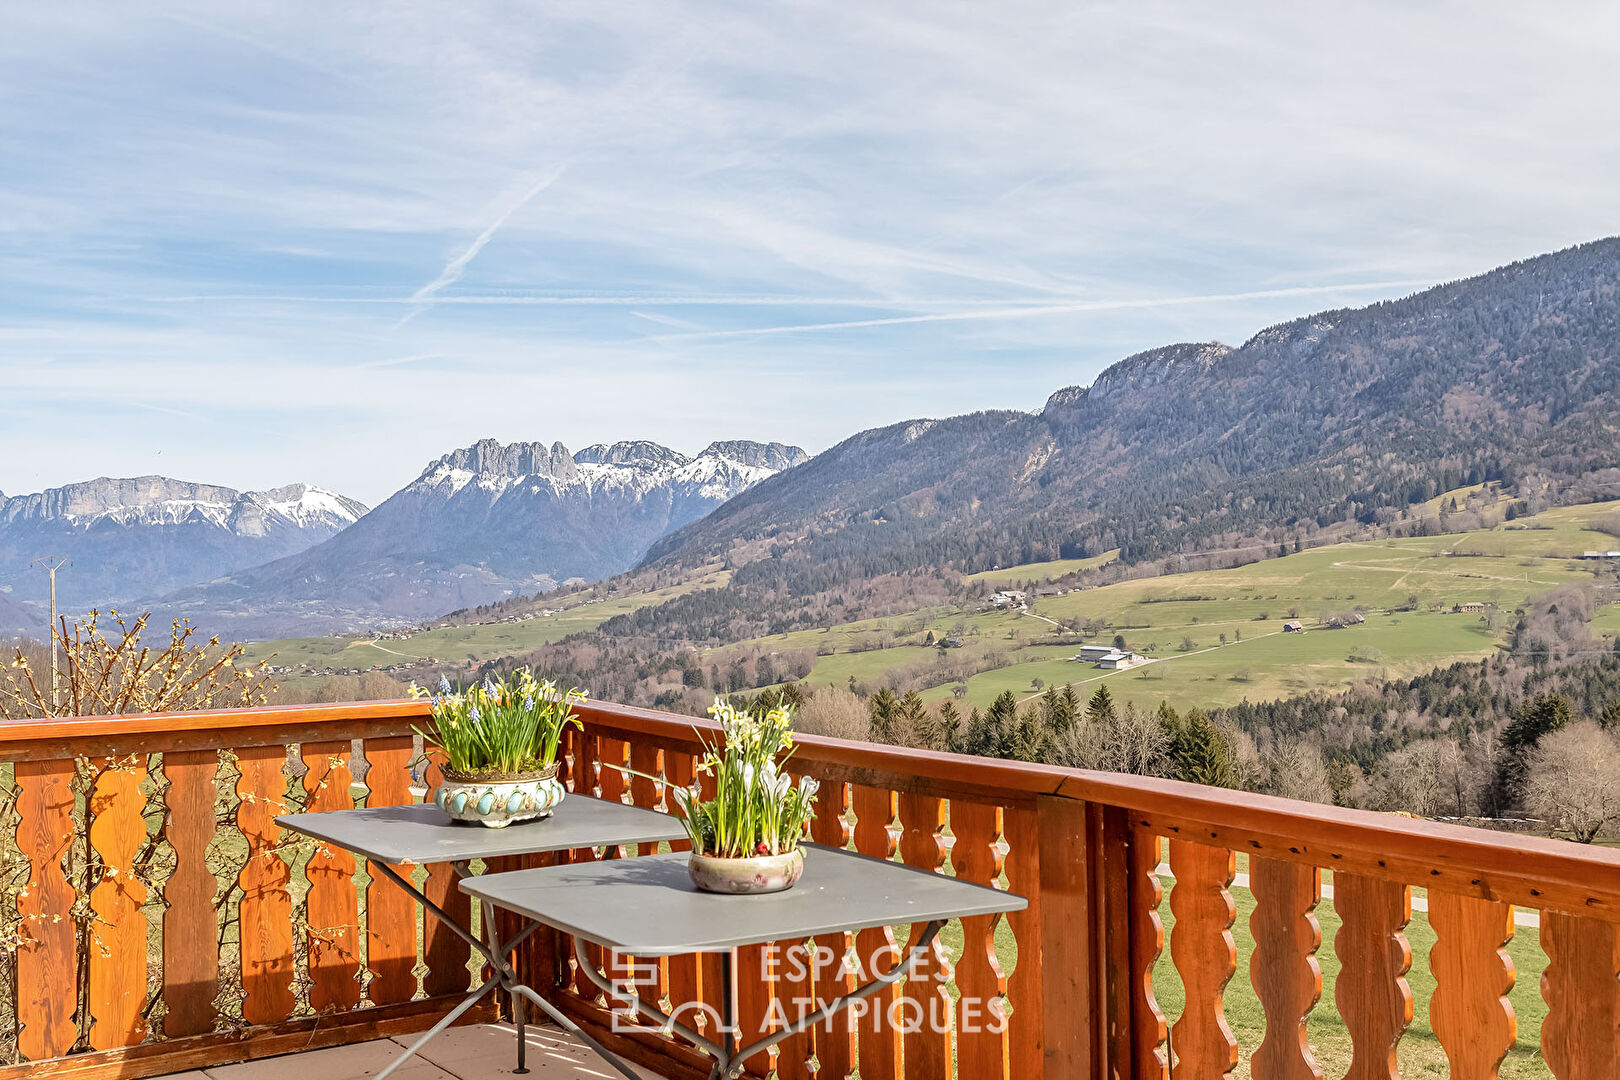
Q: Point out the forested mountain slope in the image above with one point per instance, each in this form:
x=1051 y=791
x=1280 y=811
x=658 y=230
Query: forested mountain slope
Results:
x=1345 y=416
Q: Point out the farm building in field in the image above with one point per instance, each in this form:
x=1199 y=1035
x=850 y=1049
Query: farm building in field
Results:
x=1106 y=657
x=1293 y=626
x=1600 y=554
x=1472 y=607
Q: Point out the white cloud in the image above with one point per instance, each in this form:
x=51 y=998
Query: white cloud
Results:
x=226 y=210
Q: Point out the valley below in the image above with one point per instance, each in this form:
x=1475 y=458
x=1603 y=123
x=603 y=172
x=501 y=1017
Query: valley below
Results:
x=1367 y=611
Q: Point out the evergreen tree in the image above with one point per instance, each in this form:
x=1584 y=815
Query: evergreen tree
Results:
x=944 y=729
x=884 y=708
x=1610 y=716
x=1526 y=726
x=1199 y=750
x=1071 y=702
x=975 y=734
x=910 y=720
x=1101 y=708
x=1059 y=709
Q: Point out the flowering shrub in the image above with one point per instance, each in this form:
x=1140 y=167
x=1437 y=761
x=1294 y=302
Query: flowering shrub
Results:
x=756 y=809
x=498 y=729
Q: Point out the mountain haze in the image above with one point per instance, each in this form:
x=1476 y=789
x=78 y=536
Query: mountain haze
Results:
x=484 y=523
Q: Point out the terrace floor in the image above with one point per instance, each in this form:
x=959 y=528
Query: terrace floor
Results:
x=475 y=1052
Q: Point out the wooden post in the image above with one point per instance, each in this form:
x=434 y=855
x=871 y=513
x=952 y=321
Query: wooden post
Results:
x=1067 y=950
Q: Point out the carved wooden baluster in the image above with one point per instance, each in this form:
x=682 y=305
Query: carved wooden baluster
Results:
x=1206 y=957
x=981 y=1028
x=835 y=1043
x=1283 y=968
x=647 y=761
x=390 y=913
x=265 y=913
x=45 y=969
x=1580 y=983
x=795 y=989
x=583 y=776
x=928 y=1011
x=1470 y=1012
x=1374 y=956
x=612 y=756
x=1149 y=1028
x=879 y=1040
x=190 y=923
x=1025 y=985
x=445 y=953
x=685 y=987
x=332 y=903
x=118 y=935
x=757 y=968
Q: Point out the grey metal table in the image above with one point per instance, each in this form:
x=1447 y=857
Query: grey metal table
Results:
x=647 y=907
x=389 y=836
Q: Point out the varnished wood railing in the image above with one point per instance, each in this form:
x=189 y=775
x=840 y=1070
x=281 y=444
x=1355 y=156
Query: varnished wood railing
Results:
x=121 y=971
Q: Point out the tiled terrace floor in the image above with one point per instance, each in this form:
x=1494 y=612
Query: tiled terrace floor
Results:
x=465 y=1053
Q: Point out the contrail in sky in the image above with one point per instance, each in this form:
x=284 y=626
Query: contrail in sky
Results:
x=457 y=266
x=1028 y=311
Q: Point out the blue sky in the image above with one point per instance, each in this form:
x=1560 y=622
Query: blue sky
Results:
x=263 y=242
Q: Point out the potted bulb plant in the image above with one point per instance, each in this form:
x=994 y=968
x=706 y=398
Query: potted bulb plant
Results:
x=497 y=747
x=745 y=839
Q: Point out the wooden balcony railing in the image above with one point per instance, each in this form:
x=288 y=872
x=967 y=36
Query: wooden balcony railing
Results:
x=165 y=924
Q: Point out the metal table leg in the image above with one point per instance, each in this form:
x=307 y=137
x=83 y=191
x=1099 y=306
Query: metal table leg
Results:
x=494 y=954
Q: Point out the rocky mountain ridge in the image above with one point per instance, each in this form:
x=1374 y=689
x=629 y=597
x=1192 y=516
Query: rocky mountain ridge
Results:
x=134 y=537
x=484 y=523
x=1346 y=417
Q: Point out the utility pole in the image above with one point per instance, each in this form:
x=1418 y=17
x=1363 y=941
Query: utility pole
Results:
x=53 y=563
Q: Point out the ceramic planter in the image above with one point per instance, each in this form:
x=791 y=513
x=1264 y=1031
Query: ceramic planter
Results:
x=754 y=874
x=498 y=803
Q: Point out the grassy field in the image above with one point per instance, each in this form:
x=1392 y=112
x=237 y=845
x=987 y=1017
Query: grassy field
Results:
x=1014 y=577
x=1397 y=584
x=1176 y=620
x=469 y=642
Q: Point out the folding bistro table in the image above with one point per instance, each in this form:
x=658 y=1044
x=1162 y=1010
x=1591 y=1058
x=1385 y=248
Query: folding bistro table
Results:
x=389 y=836
x=647 y=907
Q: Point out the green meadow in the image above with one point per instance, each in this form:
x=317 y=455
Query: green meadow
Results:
x=1403 y=588
x=469 y=641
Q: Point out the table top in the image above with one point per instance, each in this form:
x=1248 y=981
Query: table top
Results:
x=647 y=906
x=422 y=833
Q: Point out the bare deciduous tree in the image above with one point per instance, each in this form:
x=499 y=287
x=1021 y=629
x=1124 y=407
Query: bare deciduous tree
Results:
x=1573 y=781
x=1128 y=741
x=833 y=711
x=102 y=676
x=1295 y=770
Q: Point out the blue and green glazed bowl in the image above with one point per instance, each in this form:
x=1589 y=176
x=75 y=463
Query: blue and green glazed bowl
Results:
x=498 y=803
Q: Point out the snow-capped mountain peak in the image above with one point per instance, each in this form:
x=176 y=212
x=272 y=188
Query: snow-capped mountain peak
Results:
x=131 y=538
